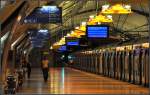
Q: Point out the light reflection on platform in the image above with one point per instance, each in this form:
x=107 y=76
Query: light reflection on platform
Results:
x=71 y=81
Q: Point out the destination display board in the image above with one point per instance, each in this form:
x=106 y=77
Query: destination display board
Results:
x=72 y=41
x=45 y=14
x=97 y=31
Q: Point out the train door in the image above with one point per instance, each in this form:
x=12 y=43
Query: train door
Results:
x=132 y=66
x=140 y=66
x=123 y=64
x=136 y=65
x=147 y=68
x=88 y=60
x=92 y=63
x=90 y=56
x=80 y=61
x=83 y=62
x=105 y=63
x=114 y=63
x=97 y=62
x=129 y=65
x=117 y=64
x=76 y=61
x=126 y=65
x=78 y=66
x=108 y=63
x=100 y=63
x=143 y=66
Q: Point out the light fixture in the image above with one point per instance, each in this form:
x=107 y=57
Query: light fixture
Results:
x=116 y=9
x=103 y=18
x=83 y=23
x=51 y=47
x=145 y=45
x=77 y=27
x=68 y=35
x=91 y=16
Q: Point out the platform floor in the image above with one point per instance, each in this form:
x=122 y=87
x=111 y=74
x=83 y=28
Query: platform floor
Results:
x=72 y=81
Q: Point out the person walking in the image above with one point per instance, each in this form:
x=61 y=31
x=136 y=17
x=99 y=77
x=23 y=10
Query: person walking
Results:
x=45 y=68
x=28 y=69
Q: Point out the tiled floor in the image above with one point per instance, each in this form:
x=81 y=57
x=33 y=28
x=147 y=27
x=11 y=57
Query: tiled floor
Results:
x=71 y=81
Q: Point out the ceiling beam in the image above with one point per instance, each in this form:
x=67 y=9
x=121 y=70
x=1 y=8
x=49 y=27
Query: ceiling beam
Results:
x=140 y=12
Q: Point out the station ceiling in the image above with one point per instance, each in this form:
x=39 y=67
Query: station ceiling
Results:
x=133 y=25
x=74 y=12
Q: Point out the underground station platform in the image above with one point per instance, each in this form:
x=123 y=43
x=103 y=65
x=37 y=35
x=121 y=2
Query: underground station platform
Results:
x=75 y=47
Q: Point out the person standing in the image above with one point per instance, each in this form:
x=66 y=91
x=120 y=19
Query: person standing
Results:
x=45 y=68
x=23 y=66
x=28 y=65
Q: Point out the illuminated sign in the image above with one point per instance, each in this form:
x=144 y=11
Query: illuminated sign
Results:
x=72 y=41
x=45 y=14
x=97 y=31
x=62 y=48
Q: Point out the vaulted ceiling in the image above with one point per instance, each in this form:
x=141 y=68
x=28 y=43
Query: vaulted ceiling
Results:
x=131 y=25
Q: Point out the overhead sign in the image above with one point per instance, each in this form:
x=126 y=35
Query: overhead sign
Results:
x=45 y=14
x=97 y=31
x=38 y=37
x=62 y=48
x=72 y=41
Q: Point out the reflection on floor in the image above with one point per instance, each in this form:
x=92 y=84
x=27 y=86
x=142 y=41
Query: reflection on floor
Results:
x=71 y=81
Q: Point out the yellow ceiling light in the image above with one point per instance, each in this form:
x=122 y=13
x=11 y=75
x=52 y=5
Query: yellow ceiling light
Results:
x=68 y=35
x=79 y=32
x=83 y=24
x=51 y=47
x=129 y=47
x=91 y=21
x=72 y=32
x=82 y=28
x=120 y=48
x=102 y=18
x=116 y=9
x=56 y=46
x=77 y=27
x=145 y=45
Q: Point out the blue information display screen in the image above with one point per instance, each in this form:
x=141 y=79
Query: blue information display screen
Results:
x=38 y=37
x=62 y=48
x=97 y=31
x=72 y=41
x=45 y=14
